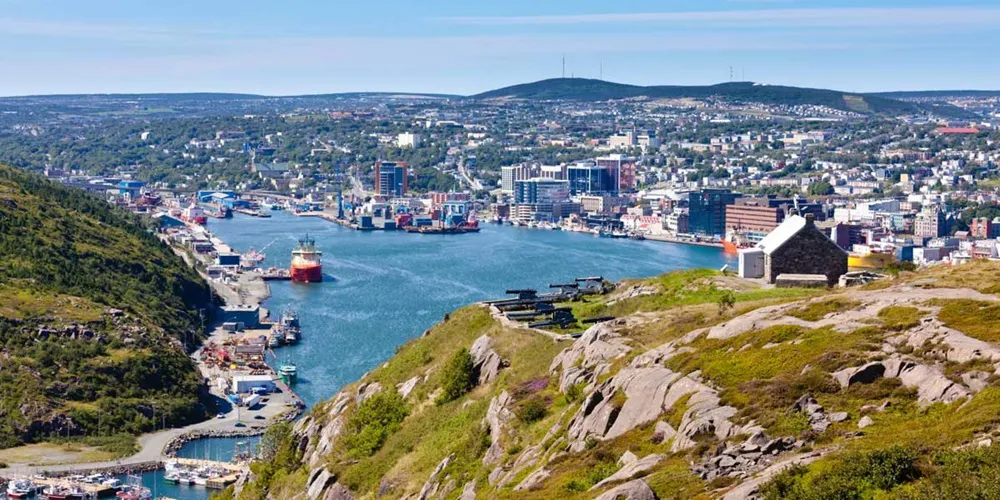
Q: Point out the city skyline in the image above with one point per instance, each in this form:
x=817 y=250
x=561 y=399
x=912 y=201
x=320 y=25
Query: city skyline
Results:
x=109 y=46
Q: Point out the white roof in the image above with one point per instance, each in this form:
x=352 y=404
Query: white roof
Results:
x=251 y=378
x=775 y=239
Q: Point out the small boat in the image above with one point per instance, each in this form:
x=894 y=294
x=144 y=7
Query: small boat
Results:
x=134 y=490
x=291 y=337
x=274 y=341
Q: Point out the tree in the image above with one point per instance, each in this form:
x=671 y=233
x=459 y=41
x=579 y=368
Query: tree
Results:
x=821 y=188
x=458 y=377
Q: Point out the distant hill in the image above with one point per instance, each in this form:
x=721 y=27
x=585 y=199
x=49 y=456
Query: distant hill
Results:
x=937 y=94
x=92 y=310
x=582 y=89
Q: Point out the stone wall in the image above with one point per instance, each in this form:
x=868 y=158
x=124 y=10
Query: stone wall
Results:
x=808 y=252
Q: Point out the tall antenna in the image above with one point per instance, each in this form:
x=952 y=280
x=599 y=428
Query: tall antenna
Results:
x=564 y=67
x=730 y=74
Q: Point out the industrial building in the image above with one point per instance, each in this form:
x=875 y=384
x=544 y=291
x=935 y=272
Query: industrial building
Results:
x=243 y=384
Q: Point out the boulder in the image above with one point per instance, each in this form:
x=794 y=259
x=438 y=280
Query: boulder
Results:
x=663 y=432
x=632 y=490
x=865 y=422
x=627 y=458
x=863 y=374
x=486 y=362
x=839 y=416
x=589 y=356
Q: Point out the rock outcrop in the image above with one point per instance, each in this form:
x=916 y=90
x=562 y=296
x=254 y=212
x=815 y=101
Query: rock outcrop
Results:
x=497 y=416
x=486 y=362
x=632 y=490
x=932 y=385
x=590 y=356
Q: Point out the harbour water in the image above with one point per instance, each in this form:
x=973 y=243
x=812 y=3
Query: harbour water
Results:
x=384 y=288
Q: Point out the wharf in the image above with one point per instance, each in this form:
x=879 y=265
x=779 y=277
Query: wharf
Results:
x=672 y=239
x=95 y=490
x=220 y=482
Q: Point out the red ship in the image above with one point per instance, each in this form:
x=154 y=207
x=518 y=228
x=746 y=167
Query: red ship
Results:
x=307 y=265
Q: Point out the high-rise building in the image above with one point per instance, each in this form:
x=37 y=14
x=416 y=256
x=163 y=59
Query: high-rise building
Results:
x=707 y=210
x=409 y=140
x=540 y=190
x=984 y=228
x=590 y=178
x=557 y=172
x=391 y=178
x=511 y=174
x=622 y=167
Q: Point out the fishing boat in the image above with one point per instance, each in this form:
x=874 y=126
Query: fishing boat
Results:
x=22 y=488
x=134 y=490
x=291 y=336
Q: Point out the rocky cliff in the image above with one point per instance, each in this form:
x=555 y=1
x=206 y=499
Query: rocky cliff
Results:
x=889 y=389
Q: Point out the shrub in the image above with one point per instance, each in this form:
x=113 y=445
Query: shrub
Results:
x=532 y=410
x=373 y=421
x=856 y=475
x=458 y=377
x=573 y=393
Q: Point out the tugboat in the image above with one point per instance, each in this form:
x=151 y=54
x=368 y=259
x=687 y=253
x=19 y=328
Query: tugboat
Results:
x=307 y=265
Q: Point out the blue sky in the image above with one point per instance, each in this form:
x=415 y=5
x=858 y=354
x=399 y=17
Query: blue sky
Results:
x=452 y=46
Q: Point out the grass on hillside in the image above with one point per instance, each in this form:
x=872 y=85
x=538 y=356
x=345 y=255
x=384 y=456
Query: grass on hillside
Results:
x=975 y=318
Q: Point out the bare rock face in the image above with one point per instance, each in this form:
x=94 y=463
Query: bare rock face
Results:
x=366 y=391
x=533 y=480
x=430 y=488
x=590 y=356
x=497 y=417
x=407 y=387
x=649 y=391
x=632 y=490
x=631 y=469
x=468 y=492
x=318 y=484
x=318 y=433
x=865 y=422
x=485 y=360
x=338 y=492
x=932 y=386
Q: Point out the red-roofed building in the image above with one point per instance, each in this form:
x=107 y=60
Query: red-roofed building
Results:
x=956 y=131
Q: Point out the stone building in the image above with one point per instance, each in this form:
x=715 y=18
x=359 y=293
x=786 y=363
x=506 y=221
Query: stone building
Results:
x=797 y=246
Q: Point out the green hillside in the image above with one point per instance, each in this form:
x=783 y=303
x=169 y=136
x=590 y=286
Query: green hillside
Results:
x=583 y=89
x=705 y=386
x=92 y=310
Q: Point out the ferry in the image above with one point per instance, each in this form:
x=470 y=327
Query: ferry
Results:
x=288 y=372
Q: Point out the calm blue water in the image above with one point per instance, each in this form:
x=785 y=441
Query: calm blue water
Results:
x=389 y=287
x=384 y=288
